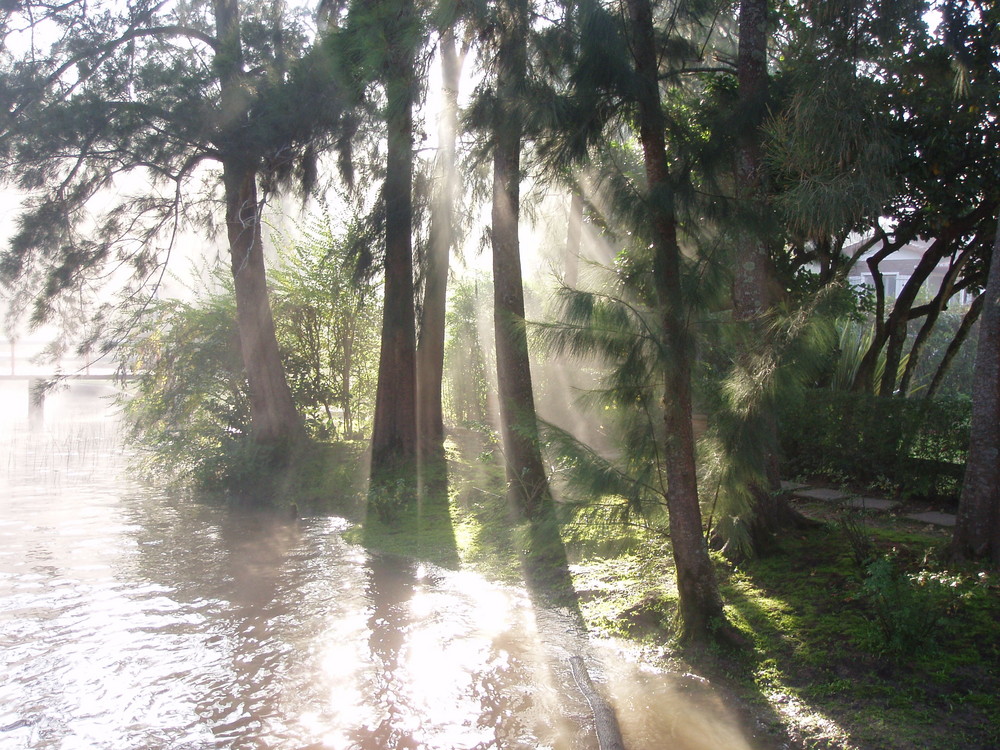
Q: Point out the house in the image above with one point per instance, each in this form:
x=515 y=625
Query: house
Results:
x=898 y=267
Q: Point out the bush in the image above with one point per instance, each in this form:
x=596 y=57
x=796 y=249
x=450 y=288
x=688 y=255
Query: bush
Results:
x=906 y=610
x=912 y=446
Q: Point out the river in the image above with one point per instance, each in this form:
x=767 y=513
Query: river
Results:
x=134 y=618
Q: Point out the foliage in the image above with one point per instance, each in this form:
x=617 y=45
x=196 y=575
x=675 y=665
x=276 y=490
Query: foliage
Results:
x=618 y=328
x=189 y=405
x=467 y=360
x=852 y=526
x=958 y=381
x=327 y=328
x=390 y=498
x=906 y=609
x=740 y=392
x=854 y=341
x=816 y=671
x=914 y=446
x=113 y=109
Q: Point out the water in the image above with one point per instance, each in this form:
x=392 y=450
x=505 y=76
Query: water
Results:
x=133 y=619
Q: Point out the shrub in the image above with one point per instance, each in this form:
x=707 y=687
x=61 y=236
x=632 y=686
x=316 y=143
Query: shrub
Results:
x=905 y=610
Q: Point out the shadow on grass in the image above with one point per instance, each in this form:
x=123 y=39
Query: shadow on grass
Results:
x=816 y=668
x=459 y=518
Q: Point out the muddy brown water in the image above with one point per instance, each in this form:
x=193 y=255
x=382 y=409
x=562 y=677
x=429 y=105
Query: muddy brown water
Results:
x=130 y=618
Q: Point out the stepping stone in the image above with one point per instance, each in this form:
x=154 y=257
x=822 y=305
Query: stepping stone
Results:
x=938 y=519
x=792 y=486
x=821 y=493
x=871 y=503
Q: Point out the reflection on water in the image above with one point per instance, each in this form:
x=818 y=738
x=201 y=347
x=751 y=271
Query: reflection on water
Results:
x=131 y=619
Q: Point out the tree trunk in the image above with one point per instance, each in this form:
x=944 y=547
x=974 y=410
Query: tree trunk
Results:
x=938 y=304
x=394 y=434
x=894 y=329
x=272 y=409
x=977 y=531
x=345 y=379
x=430 y=349
x=702 y=616
x=754 y=282
x=574 y=240
x=753 y=276
x=969 y=320
x=527 y=482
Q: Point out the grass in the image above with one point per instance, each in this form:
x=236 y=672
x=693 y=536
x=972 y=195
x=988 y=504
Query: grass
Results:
x=819 y=663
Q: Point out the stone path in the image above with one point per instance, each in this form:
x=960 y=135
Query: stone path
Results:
x=938 y=519
x=845 y=498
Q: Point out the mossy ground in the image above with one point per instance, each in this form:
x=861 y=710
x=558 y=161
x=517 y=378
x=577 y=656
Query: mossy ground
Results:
x=819 y=673
x=819 y=663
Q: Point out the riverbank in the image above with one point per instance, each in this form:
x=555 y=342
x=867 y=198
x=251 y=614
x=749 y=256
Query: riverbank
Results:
x=864 y=637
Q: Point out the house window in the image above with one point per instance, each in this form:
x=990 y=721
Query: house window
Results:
x=891 y=282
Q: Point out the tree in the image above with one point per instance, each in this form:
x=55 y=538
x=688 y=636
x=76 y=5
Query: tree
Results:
x=754 y=291
x=190 y=406
x=327 y=329
x=977 y=530
x=700 y=603
x=153 y=100
x=613 y=95
x=274 y=415
x=875 y=131
x=527 y=481
x=379 y=43
x=431 y=342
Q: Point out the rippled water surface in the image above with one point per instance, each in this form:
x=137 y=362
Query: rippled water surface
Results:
x=133 y=619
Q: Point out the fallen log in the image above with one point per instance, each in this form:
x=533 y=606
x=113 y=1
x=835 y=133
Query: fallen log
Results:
x=609 y=735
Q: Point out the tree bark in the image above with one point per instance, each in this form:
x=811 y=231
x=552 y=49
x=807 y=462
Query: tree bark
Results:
x=702 y=616
x=430 y=348
x=527 y=482
x=977 y=531
x=753 y=276
x=273 y=415
x=394 y=433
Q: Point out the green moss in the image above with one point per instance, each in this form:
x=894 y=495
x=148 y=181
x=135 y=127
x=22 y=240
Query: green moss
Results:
x=808 y=614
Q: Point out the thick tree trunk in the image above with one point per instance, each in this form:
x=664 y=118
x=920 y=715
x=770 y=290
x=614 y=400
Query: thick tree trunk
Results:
x=272 y=409
x=430 y=348
x=701 y=610
x=394 y=434
x=752 y=274
x=977 y=531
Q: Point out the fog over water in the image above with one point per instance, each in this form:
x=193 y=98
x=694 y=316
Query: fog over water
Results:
x=132 y=618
